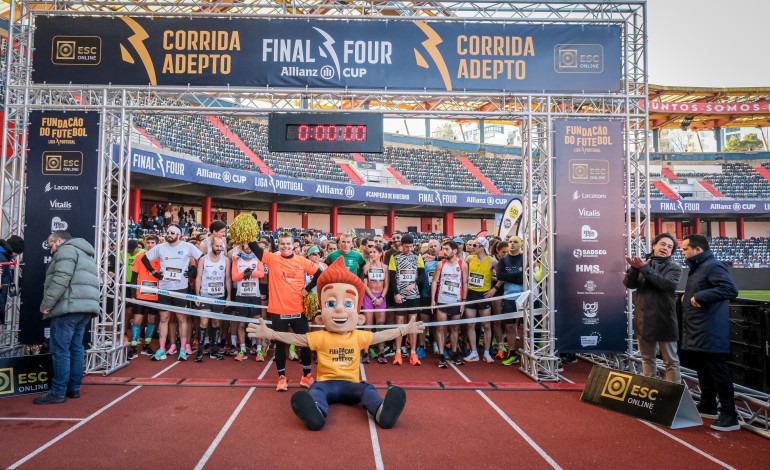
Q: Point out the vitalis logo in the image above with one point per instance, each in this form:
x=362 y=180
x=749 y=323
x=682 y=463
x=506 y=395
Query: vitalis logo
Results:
x=60 y=205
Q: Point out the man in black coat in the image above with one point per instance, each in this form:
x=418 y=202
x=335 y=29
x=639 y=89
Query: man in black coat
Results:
x=655 y=323
x=9 y=250
x=706 y=330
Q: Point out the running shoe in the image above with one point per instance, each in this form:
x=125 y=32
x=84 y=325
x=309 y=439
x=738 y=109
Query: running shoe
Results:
x=233 y=350
x=382 y=360
x=389 y=352
x=442 y=363
x=397 y=361
x=147 y=350
x=488 y=358
x=241 y=356
x=307 y=380
x=283 y=384
x=414 y=359
x=457 y=358
x=160 y=355
x=188 y=349
x=199 y=356
x=293 y=353
x=172 y=350
x=501 y=353
x=365 y=358
x=726 y=423
x=182 y=355
x=132 y=354
x=372 y=353
x=253 y=350
x=472 y=357
x=260 y=356
x=420 y=352
x=512 y=359
x=404 y=352
x=216 y=356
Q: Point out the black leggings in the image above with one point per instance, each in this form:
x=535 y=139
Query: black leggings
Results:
x=299 y=325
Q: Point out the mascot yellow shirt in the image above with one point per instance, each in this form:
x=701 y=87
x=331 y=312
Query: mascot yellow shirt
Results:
x=339 y=355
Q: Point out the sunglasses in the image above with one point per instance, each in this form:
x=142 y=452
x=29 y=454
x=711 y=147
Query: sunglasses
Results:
x=397 y=239
x=472 y=245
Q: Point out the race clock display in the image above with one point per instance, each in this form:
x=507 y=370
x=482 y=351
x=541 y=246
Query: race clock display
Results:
x=325 y=132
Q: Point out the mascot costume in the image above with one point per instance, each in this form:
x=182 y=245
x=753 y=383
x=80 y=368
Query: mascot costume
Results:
x=339 y=348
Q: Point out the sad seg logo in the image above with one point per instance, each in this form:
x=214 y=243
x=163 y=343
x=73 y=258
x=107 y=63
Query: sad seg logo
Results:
x=6 y=381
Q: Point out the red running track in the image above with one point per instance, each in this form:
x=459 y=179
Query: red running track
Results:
x=480 y=415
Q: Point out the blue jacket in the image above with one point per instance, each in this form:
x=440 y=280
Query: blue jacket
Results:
x=707 y=328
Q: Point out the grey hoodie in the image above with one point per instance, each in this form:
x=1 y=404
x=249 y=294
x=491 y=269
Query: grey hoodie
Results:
x=72 y=280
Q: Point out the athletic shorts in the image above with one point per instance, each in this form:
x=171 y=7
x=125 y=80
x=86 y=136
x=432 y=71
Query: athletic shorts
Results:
x=407 y=303
x=476 y=295
x=249 y=312
x=509 y=306
x=450 y=311
x=216 y=308
x=369 y=305
x=172 y=301
x=264 y=293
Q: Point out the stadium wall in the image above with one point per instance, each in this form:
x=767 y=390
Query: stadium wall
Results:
x=745 y=278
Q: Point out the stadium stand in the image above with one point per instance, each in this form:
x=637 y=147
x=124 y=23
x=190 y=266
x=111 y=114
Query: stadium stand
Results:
x=505 y=173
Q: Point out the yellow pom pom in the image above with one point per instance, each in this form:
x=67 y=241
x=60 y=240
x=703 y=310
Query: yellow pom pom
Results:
x=244 y=229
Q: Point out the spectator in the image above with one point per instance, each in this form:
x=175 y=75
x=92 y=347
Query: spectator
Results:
x=9 y=250
x=70 y=299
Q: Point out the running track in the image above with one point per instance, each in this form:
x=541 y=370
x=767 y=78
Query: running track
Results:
x=462 y=421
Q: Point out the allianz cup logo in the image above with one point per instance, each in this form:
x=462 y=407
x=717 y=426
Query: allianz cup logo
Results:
x=226 y=178
x=76 y=50
x=616 y=386
x=349 y=192
x=65 y=163
x=578 y=58
x=6 y=381
x=590 y=309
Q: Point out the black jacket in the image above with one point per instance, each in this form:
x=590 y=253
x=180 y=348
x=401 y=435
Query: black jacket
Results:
x=707 y=328
x=655 y=298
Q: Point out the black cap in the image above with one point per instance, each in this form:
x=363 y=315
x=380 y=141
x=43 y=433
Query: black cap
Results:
x=16 y=243
x=131 y=245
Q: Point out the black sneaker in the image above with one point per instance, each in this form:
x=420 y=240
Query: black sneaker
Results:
x=726 y=423
x=457 y=358
x=707 y=412
x=442 y=363
x=73 y=394
x=199 y=356
x=216 y=356
x=132 y=353
x=49 y=399
x=147 y=350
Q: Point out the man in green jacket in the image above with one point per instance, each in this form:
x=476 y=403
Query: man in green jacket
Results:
x=70 y=299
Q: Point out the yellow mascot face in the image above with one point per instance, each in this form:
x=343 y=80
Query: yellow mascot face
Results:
x=341 y=294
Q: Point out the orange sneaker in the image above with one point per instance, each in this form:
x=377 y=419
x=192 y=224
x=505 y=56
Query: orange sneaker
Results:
x=414 y=360
x=397 y=361
x=260 y=356
x=307 y=381
x=283 y=384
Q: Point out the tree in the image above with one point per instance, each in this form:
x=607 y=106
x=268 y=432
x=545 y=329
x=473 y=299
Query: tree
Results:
x=675 y=140
x=749 y=143
x=444 y=132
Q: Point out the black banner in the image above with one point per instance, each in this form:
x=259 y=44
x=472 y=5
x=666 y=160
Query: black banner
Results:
x=653 y=400
x=62 y=171
x=589 y=242
x=25 y=374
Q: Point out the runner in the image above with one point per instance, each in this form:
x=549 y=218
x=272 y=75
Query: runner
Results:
x=175 y=256
x=213 y=282
x=478 y=272
x=376 y=289
x=510 y=272
x=431 y=257
x=142 y=277
x=246 y=270
x=407 y=271
x=285 y=306
x=447 y=288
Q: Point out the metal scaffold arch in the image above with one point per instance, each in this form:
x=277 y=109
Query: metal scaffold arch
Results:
x=535 y=112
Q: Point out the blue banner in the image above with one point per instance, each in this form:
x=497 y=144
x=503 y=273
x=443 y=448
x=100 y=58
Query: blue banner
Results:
x=590 y=305
x=152 y=163
x=62 y=171
x=365 y=54
x=714 y=206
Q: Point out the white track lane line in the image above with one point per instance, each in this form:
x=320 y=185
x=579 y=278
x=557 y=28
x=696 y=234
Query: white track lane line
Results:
x=508 y=420
x=688 y=445
x=210 y=451
x=378 y=464
x=83 y=422
x=267 y=368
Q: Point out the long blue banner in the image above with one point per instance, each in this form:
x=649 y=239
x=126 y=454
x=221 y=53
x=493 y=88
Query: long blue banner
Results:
x=62 y=171
x=157 y=164
x=589 y=241
x=365 y=54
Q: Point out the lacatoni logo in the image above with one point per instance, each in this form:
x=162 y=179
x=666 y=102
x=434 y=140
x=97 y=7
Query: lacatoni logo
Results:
x=588 y=268
x=580 y=253
x=581 y=195
x=578 y=58
x=587 y=234
x=58 y=187
x=590 y=309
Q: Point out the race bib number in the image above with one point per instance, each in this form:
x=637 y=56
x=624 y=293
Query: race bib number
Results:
x=376 y=274
x=407 y=276
x=476 y=280
x=216 y=288
x=430 y=275
x=451 y=288
x=172 y=274
x=249 y=289
x=148 y=284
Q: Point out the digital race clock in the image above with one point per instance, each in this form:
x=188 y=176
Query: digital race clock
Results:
x=325 y=133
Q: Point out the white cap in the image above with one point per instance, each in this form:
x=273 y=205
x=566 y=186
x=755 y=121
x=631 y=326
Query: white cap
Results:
x=483 y=242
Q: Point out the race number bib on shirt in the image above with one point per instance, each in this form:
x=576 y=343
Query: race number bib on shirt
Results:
x=476 y=280
x=249 y=289
x=172 y=274
x=148 y=284
x=450 y=288
x=407 y=276
x=376 y=274
x=216 y=288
